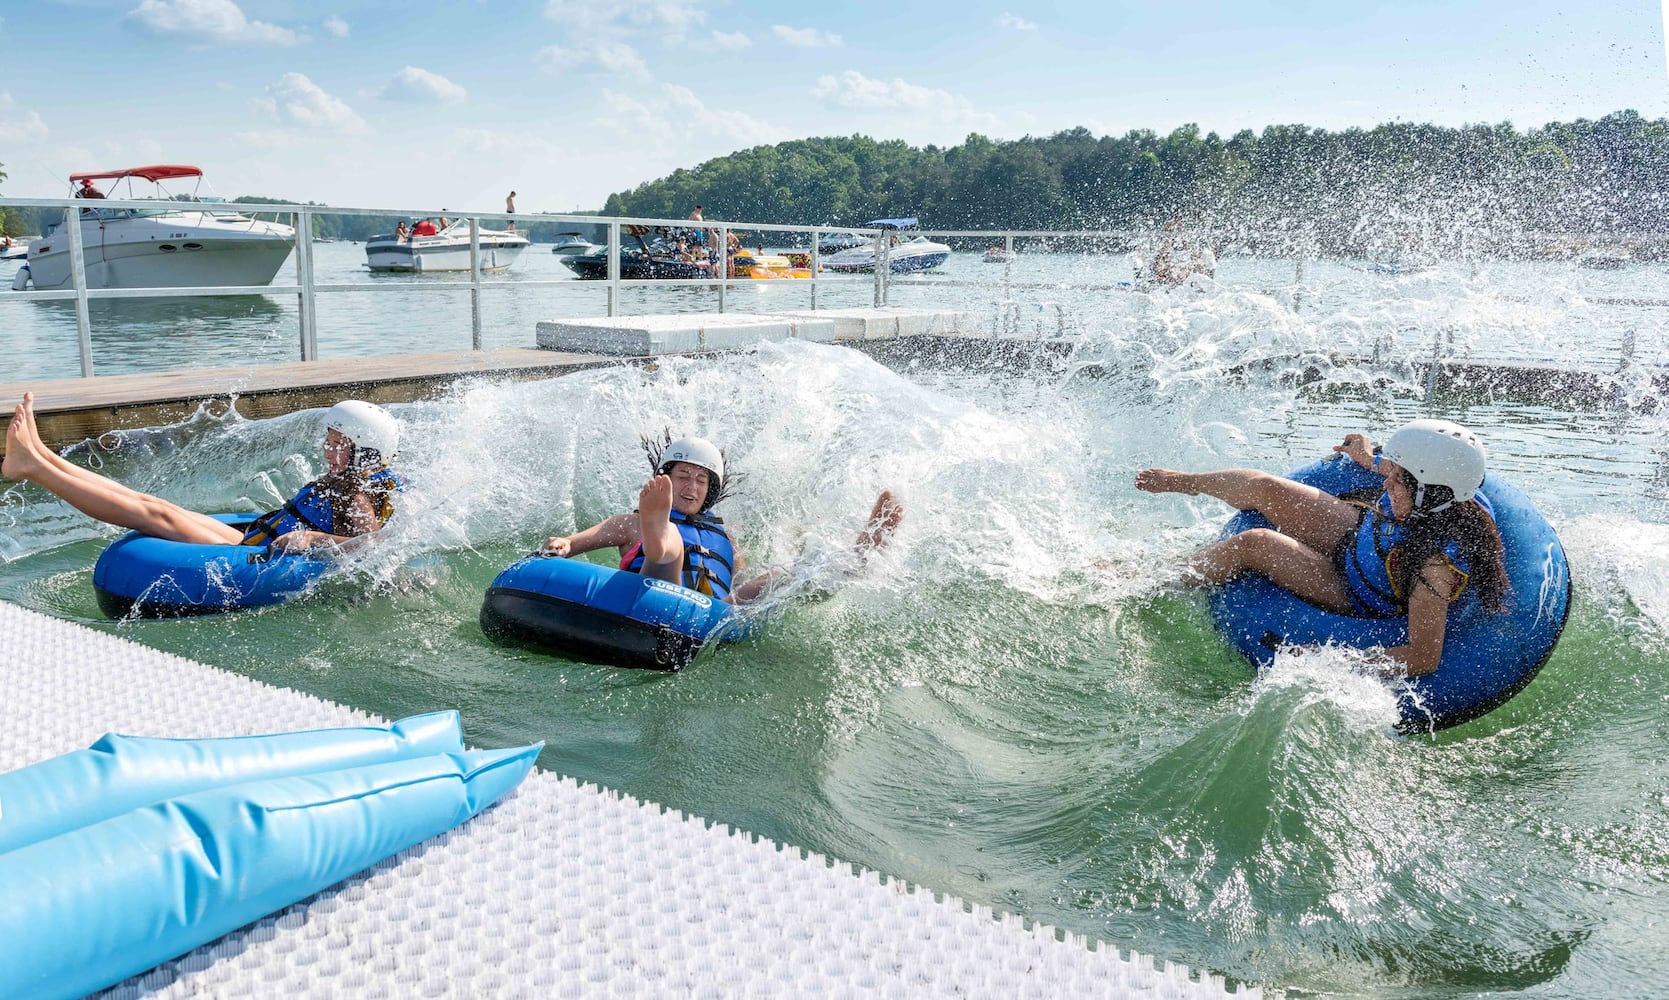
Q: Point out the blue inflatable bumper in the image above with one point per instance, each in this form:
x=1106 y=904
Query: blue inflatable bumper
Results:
x=599 y=614
x=90 y=905
x=153 y=578
x=1487 y=658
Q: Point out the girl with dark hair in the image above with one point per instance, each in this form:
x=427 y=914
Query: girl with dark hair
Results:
x=1412 y=551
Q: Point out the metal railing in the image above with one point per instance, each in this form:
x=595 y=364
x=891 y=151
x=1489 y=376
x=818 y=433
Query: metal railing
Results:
x=307 y=288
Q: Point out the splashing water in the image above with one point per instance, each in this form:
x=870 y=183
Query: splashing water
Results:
x=1012 y=702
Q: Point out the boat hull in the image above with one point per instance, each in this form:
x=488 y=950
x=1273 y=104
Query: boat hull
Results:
x=593 y=267
x=497 y=253
x=188 y=250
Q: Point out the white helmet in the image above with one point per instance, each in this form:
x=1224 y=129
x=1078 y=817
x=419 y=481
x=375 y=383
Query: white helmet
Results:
x=373 y=430
x=1439 y=453
x=702 y=453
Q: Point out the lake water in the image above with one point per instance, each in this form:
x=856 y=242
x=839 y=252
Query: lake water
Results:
x=1012 y=704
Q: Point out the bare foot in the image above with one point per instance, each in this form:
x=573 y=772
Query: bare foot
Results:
x=654 y=515
x=1164 y=481
x=884 y=519
x=20 y=457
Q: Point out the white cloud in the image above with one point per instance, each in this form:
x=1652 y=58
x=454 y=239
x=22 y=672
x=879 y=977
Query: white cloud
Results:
x=805 y=38
x=419 y=86
x=854 y=91
x=730 y=41
x=23 y=131
x=588 y=18
x=1014 y=21
x=205 y=21
x=296 y=100
x=679 y=114
x=598 y=57
x=336 y=27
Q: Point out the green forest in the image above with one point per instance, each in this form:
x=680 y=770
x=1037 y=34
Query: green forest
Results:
x=1399 y=187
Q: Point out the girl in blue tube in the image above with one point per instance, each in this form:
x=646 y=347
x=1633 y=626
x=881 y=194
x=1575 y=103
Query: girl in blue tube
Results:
x=1411 y=552
x=353 y=499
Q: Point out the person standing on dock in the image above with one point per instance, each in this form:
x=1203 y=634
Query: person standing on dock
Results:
x=353 y=499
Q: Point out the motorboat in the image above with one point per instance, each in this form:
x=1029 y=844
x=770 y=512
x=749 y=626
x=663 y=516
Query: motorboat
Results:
x=655 y=256
x=11 y=249
x=185 y=242
x=442 y=245
x=574 y=245
x=902 y=256
x=997 y=255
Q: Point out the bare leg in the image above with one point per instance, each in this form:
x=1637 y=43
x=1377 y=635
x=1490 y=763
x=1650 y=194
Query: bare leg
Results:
x=1314 y=517
x=1288 y=563
x=883 y=521
x=663 y=547
x=100 y=498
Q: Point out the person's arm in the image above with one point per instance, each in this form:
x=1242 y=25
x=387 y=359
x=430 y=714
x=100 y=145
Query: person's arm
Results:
x=363 y=521
x=1428 y=619
x=619 y=531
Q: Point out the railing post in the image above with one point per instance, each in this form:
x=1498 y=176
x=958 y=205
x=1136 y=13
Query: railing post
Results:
x=78 y=276
x=1298 y=283
x=1008 y=262
x=614 y=269
x=475 y=282
x=723 y=262
x=880 y=269
x=306 y=304
x=816 y=268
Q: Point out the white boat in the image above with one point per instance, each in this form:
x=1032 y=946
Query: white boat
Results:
x=446 y=249
x=997 y=255
x=11 y=249
x=903 y=256
x=574 y=245
x=183 y=243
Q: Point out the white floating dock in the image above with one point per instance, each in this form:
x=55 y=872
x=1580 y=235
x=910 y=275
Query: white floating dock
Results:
x=558 y=891
x=686 y=333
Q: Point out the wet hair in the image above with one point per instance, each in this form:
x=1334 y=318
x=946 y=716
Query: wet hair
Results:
x=1465 y=522
x=342 y=491
x=717 y=488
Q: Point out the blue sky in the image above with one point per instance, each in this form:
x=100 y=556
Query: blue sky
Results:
x=423 y=104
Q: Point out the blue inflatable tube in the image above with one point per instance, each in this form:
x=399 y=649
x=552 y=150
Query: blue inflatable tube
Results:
x=599 y=614
x=153 y=578
x=94 y=906
x=1487 y=658
x=121 y=773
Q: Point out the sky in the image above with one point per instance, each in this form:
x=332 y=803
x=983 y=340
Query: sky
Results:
x=422 y=104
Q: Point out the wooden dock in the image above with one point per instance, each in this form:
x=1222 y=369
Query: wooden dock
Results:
x=74 y=409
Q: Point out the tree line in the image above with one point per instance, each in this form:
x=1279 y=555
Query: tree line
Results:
x=1398 y=187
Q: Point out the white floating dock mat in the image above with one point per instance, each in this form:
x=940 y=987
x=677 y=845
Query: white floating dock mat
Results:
x=685 y=333
x=558 y=891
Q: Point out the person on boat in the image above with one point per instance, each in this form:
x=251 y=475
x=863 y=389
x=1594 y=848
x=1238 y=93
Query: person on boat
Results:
x=1412 y=551
x=510 y=209
x=353 y=499
x=402 y=232
x=425 y=227
x=674 y=536
x=87 y=190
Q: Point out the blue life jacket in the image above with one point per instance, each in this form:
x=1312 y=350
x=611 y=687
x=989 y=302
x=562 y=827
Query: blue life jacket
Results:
x=708 y=554
x=1369 y=563
x=310 y=508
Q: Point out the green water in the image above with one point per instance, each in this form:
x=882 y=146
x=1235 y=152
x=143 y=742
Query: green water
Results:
x=1011 y=704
